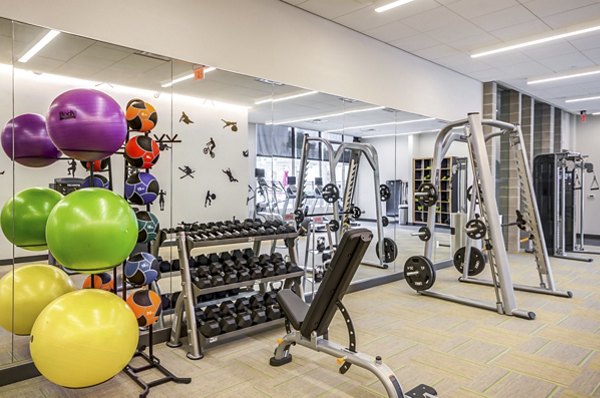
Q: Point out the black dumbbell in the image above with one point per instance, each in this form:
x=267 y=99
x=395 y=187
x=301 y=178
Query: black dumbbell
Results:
x=280 y=268
x=276 y=256
x=264 y=259
x=273 y=312
x=243 y=274
x=242 y=304
x=214 y=258
x=202 y=282
x=203 y=259
x=164 y=266
x=192 y=262
x=252 y=261
x=202 y=271
x=210 y=328
x=249 y=252
x=230 y=277
x=258 y=315
x=243 y=319
x=225 y=256
x=291 y=267
x=270 y=298
x=257 y=301
x=229 y=265
x=227 y=307
x=268 y=270
x=237 y=253
x=255 y=272
x=216 y=268
x=217 y=280
x=175 y=265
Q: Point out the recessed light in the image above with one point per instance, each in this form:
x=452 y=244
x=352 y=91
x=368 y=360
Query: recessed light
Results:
x=596 y=113
x=380 y=125
x=48 y=37
x=329 y=115
x=391 y=5
x=267 y=81
x=563 y=76
x=286 y=98
x=597 y=97
x=566 y=33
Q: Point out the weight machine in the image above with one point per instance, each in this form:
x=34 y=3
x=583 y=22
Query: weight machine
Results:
x=584 y=168
x=386 y=247
x=558 y=177
x=419 y=271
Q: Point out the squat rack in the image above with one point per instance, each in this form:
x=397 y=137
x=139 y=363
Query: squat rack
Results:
x=420 y=268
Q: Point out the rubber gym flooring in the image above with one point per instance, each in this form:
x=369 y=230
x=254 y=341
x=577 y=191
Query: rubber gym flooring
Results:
x=461 y=351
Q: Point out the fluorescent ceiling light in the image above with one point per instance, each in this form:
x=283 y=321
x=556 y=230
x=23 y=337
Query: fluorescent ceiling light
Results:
x=330 y=115
x=597 y=97
x=289 y=97
x=399 y=134
x=546 y=39
x=48 y=37
x=379 y=125
x=596 y=113
x=187 y=77
x=564 y=76
x=391 y=5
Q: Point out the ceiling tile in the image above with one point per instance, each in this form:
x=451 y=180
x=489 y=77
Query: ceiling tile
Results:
x=434 y=19
x=521 y=30
x=471 y=43
x=573 y=17
x=44 y=64
x=586 y=42
x=562 y=63
x=463 y=63
x=331 y=9
x=294 y=2
x=593 y=54
x=543 y=8
x=437 y=52
x=416 y=42
x=504 y=18
x=66 y=48
x=476 y=8
x=114 y=53
x=548 y=50
x=392 y=31
x=453 y=32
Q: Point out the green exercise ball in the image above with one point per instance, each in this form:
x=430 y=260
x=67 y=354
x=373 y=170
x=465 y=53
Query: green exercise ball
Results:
x=24 y=217
x=91 y=230
x=26 y=291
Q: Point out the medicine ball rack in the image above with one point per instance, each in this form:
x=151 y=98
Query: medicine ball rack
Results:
x=419 y=270
x=331 y=192
x=184 y=323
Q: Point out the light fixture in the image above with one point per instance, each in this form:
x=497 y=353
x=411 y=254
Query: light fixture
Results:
x=595 y=113
x=380 y=125
x=391 y=5
x=286 y=98
x=330 y=115
x=48 y=37
x=566 y=33
x=400 y=134
x=563 y=76
x=187 y=77
x=597 y=97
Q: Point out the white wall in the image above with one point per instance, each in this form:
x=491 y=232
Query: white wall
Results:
x=588 y=142
x=278 y=38
x=34 y=93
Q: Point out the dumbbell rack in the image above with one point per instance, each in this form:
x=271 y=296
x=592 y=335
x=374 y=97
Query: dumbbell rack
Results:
x=185 y=307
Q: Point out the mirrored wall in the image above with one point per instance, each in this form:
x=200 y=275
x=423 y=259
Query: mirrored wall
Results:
x=230 y=147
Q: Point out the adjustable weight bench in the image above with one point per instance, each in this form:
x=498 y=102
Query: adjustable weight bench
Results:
x=311 y=323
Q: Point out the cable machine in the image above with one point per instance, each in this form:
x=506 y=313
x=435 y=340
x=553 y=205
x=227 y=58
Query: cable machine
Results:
x=419 y=271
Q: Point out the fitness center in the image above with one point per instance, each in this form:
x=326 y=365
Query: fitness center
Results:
x=248 y=197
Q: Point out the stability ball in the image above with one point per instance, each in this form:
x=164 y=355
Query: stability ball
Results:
x=32 y=287
x=86 y=124
x=32 y=144
x=23 y=218
x=91 y=230
x=83 y=338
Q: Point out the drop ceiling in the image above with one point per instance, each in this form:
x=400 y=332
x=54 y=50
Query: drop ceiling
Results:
x=83 y=58
x=448 y=31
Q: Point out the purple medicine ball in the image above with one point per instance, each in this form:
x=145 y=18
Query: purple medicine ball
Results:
x=32 y=144
x=86 y=124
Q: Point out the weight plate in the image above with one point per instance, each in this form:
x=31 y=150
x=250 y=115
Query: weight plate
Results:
x=330 y=193
x=334 y=225
x=384 y=192
x=385 y=221
x=419 y=273
x=476 y=261
x=424 y=234
x=475 y=229
x=430 y=192
x=299 y=216
x=390 y=250
x=356 y=212
x=470 y=194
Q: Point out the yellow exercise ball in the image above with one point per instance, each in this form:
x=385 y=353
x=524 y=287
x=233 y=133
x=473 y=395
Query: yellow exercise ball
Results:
x=32 y=287
x=83 y=338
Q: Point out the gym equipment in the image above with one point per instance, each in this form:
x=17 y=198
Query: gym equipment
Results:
x=142 y=152
x=32 y=144
x=95 y=181
x=310 y=323
x=140 y=115
x=424 y=234
x=24 y=217
x=488 y=225
x=476 y=261
x=557 y=177
x=146 y=306
x=91 y=230
x=354 y=151
x=26 y=291
x=141 y=188
x=419 y=273
x=354 y=211
x=86 y=124
x=98 y=165
x=390 y=250
x=93 y=319
x=384 y=192
x=141 y=269
x=427 y=194
x=147 y=226
x=102 y=281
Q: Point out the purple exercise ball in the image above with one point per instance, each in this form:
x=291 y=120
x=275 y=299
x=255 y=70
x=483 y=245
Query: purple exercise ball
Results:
x=33 y=147
x=86 y=124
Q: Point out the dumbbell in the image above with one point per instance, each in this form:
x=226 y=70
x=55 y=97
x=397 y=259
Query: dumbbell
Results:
x=226 y=322
x=214 y=258
x=273 y=312
x=243 y=274
x=252 y=261
x=248 y=253
x=229 y=265
x=240 y=261
x=255 y=272
x=242 y=304
x=230 y=277
x=225 y=256
x=275 y=256
x=203 y=282
x=257 y=301
x=264 y=259
x=241 y=317
x=203 y=259
x=280 y=268
x=258 y=315
x=268 y=270
x=175 y=265
x=164 y=266
x=237 y=253
x=216 y=268
x=209 y=328
x=291 y=267
x=270 y=298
